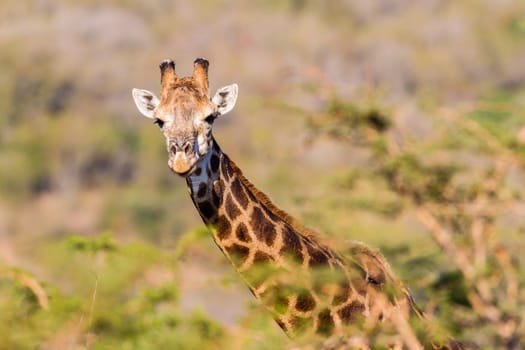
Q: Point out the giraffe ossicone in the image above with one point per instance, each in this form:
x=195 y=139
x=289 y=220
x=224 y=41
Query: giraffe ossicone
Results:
x=305 y=285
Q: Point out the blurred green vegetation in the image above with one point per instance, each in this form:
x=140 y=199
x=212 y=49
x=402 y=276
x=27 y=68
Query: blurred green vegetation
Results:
x=366 y=120
x=460 y=194
x=108 y=305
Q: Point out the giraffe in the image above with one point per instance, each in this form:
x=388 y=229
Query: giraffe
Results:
x=307 y=286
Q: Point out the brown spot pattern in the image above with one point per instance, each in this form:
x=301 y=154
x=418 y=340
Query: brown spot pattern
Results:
x=317 y=256
x=238 y=253
x=326 y=322
x=271 y=215
x=227 y=170
x=214 y=162
x=231 y=207
x=242 y=233
x=291 y=245
x=207 y=211
x=201 y=192
x=265 y=223
x=305 y=301
x=215 y=197
x=223 y=228
x=263 y=228
x=239 y=193
x=261 y=257
x=348 y=313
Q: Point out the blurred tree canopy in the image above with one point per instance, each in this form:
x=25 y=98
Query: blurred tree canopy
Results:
x=396 y=123
x=461 y=204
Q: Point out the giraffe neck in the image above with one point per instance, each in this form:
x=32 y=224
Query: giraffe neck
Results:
x=253 y=233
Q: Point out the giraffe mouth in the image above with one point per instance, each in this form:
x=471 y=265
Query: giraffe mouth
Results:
x=186 y=173
x=183 y=171
x=182 y=164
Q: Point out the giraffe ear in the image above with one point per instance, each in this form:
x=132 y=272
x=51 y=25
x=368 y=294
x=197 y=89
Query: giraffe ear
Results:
x=146 y=102
x=225 y=98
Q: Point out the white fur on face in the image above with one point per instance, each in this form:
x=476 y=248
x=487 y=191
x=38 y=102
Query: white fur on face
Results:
x=203 y=136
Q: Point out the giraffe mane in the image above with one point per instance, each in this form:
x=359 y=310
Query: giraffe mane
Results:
x=267 y=202
x=359 y=253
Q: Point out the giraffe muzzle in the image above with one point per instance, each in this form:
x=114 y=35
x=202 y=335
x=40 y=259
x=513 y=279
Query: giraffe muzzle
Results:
x=182 y=159
x=180 y=164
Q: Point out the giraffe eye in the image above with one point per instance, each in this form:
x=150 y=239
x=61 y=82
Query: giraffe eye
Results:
x=159 y=122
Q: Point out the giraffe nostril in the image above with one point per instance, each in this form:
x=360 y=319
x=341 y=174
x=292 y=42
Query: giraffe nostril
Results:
x=187 y=148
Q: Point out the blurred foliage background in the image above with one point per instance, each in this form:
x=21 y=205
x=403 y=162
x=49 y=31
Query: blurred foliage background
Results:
x=393 y=122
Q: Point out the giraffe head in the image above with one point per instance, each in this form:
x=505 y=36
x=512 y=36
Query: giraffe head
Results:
x=185 y=113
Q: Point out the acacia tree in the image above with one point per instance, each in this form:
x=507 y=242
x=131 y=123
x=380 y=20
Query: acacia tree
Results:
x=462 y=183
